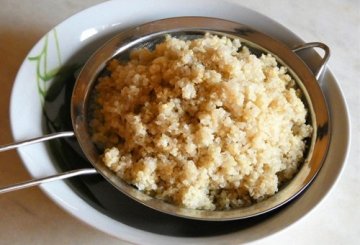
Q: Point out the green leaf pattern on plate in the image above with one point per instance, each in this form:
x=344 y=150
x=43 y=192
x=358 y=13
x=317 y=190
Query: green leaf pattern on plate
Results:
x=43 y=72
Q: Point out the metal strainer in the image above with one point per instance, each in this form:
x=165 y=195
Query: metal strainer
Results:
x=192 y=27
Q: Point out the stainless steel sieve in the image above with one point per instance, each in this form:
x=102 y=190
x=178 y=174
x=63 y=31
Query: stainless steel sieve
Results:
x=148 y=35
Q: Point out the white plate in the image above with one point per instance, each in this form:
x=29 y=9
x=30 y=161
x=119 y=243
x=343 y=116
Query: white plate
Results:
x=89 y=28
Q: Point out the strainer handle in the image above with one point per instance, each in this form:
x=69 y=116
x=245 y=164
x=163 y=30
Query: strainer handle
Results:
x=36 y=140
x=324 y=59
x=35 y=182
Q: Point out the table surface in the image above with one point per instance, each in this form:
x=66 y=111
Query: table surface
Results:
x=30 y=217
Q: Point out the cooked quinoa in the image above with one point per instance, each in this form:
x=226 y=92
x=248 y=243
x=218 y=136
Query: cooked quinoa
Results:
x=203 y=124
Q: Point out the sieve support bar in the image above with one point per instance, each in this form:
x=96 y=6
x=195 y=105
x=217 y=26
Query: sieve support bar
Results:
x=36 y=140
x=35 y=182
x=324 y=59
